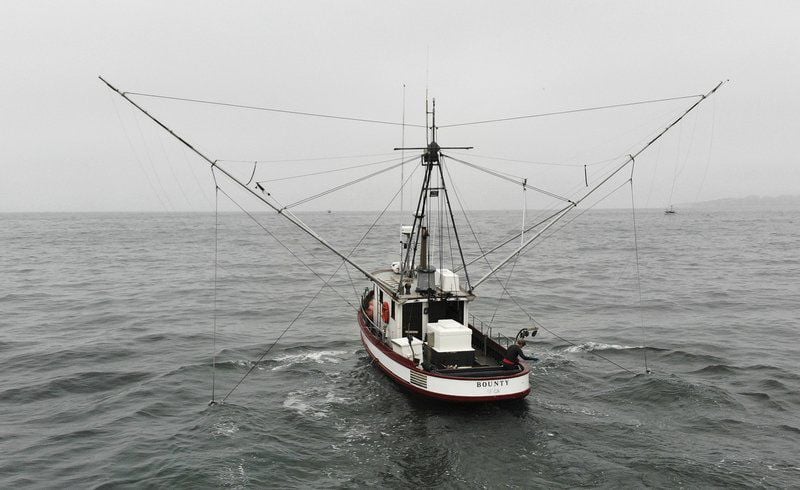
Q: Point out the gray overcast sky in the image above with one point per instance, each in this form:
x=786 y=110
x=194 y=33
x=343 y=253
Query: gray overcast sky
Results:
x=69 y=146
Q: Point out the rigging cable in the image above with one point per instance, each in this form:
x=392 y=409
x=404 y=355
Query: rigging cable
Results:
x=323 y=172
x=268 y=109
x=308 y=159
x=512 y=298
x=505 y=177
x=347 y=184
x=570 y=111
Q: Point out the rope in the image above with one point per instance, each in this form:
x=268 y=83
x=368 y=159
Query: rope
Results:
x=570 y=111
x=268 y=109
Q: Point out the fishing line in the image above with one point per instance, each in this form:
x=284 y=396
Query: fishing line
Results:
x=638 y=276
x=194 y=176
x=172 y=170
x=135 y=153
x=326 y=283
x=268 y=109
x=214 y=323
x=534 y=320
x=710 y=143
x=170 y=207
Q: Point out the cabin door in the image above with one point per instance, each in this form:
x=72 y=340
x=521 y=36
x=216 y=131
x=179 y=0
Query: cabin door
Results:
x=412 y=319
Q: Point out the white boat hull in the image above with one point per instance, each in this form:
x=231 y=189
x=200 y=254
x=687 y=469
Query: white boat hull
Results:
x=450 y=388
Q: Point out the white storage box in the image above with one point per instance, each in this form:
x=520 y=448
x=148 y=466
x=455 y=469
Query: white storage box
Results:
x=447 y=280
x=401 y=346
x=449 y=336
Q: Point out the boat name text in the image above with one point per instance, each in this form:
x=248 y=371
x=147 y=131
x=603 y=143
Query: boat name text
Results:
x=496 y=382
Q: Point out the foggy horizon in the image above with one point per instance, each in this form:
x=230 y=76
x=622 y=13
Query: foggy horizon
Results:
x=74 y=146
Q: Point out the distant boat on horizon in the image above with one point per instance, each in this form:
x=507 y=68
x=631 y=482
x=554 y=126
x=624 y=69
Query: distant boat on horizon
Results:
x=670 y=210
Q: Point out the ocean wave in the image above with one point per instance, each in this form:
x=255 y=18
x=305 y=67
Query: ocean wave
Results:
x=80 y=383
x=318 y=357
x=650 y=390
x=314 y=403
x=680 y=357
x=597 y=346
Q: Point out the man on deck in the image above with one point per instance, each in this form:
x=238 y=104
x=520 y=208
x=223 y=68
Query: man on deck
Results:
x=513 y=353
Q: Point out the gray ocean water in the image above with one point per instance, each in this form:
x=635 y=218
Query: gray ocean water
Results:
x=109 y=323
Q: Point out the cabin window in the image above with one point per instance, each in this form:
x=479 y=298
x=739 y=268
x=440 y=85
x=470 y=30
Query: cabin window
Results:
x=446 y=310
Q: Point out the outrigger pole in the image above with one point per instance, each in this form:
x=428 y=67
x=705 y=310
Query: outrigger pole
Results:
x=288 y=215
x=573 y=205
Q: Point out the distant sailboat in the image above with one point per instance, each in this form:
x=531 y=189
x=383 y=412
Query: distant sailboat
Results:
x=670 y=210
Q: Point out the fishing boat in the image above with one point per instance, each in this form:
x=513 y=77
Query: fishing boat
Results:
x=670 y=210
x=414 y=316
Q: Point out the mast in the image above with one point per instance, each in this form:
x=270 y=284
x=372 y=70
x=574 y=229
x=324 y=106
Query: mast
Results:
x=430 y=159
x=291 y=217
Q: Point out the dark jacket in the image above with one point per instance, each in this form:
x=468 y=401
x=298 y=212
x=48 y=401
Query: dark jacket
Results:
x=514 y=352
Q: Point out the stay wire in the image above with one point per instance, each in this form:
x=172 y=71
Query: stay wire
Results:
x=521 y=181
x=570 y=111
x=308 y=159
x=269 y=109
x=347 y=184
x=323 y=172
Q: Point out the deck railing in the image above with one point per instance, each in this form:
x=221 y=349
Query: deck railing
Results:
x=486 y=330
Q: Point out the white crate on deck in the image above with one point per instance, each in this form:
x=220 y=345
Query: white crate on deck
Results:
x=449 y=336
x=402 y=347
x=447 y=280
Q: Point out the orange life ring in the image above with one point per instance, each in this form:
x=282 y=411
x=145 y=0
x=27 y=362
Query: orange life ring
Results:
x=385 y=312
